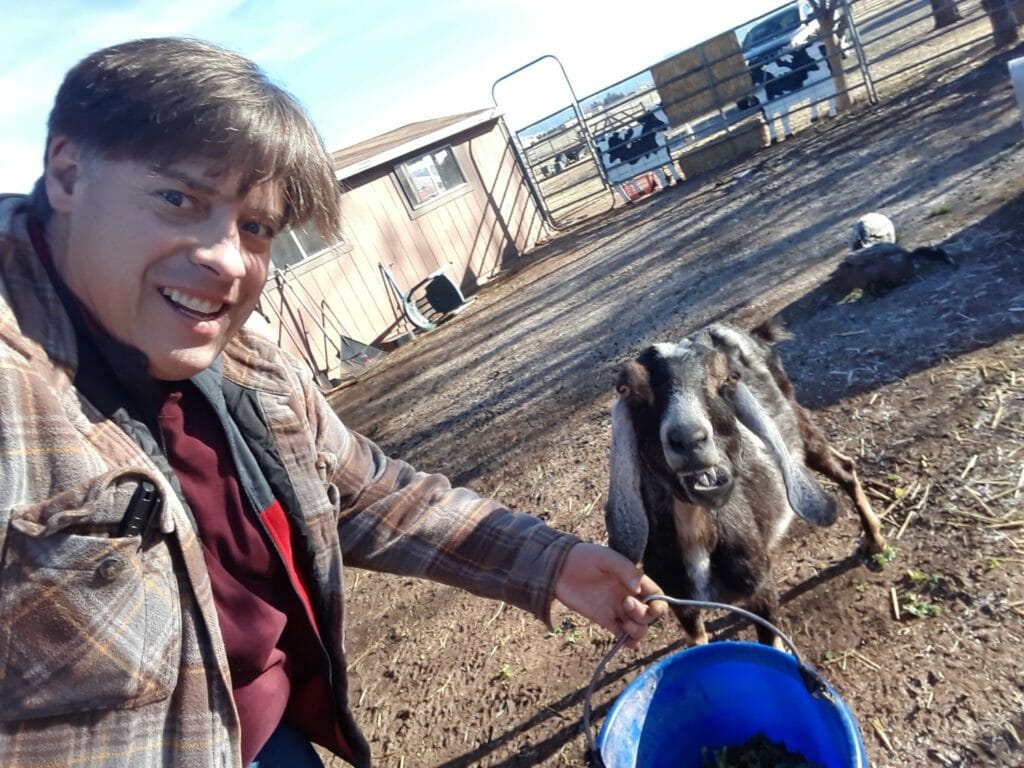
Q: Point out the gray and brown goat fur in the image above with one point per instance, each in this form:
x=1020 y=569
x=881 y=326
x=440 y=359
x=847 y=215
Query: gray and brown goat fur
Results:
x=710 y=458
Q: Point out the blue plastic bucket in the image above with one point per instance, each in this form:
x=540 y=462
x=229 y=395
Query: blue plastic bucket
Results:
x=721 y=694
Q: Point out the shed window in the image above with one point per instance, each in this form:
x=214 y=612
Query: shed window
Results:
x=296 y=245
x=431 y=176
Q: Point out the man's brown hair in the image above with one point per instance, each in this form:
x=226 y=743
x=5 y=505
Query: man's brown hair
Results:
x=172 y=99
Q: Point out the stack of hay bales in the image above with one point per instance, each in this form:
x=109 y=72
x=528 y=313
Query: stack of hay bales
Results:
x=700 y=81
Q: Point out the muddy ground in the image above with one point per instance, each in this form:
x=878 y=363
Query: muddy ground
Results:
x=923 y=384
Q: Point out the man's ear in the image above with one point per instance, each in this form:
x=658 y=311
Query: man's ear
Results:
x=63 y=170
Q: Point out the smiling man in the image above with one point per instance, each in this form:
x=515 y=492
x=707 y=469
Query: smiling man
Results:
x=200 y=245
x=177 y=499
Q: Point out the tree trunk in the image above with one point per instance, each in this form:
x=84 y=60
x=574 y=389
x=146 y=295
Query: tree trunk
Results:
x=1004 y=22
x=826 y=12
x=945 y=13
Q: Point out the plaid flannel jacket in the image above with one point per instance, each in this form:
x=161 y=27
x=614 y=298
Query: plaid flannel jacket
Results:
x=110 y=652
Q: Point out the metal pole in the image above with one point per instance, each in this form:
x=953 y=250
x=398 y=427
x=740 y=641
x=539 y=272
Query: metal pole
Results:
x=862 y=60
x=575 y=106
x=580 y=119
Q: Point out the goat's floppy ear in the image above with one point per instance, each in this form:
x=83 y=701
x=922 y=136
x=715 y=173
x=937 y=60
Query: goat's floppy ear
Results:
x=806 y=497
x=633 y=380
x=624 y=514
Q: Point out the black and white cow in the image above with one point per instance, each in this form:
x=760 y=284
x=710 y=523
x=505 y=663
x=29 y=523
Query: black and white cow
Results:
x=632 y=144
x=637 y=149
x=798 y=77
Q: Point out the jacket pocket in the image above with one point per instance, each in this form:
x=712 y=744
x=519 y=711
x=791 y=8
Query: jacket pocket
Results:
x=86 y=621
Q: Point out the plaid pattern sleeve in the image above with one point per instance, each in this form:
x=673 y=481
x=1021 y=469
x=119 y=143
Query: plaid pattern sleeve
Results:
x=395 y=519
x=387 y=516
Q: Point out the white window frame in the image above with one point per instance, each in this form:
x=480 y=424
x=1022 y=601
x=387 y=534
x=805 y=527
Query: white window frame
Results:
x=296 y=243
x=417 y=202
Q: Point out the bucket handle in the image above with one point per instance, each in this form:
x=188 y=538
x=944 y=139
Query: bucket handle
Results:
x=814 y=683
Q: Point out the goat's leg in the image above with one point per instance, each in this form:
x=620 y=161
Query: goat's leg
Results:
x=823 y=458
x=764 y=602
x=692 y=622
x=843 y=470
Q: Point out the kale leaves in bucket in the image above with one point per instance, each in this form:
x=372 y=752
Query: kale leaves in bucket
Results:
x=756 y=752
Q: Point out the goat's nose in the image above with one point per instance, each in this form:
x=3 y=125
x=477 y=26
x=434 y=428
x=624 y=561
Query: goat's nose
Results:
x=683 y=440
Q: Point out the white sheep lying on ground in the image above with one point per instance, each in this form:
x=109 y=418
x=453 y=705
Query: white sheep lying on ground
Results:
x=871 y=229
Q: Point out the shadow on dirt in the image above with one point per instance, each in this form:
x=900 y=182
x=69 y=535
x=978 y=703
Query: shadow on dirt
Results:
x=569 y=705
x=725 y=627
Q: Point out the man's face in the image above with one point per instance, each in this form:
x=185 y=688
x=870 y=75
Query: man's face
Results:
x=168 y=259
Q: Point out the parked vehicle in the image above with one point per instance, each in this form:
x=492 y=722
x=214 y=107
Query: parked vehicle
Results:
x=790 y=28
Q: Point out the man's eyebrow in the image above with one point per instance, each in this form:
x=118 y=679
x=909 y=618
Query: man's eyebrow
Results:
x=185 y=178
x=275 y=217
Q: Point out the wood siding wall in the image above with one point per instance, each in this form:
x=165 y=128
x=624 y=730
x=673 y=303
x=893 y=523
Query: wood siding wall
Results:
x=473 y=234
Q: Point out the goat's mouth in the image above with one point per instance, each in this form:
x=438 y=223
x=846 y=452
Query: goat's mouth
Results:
x=709 y=486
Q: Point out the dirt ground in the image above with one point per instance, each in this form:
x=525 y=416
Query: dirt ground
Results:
x=923 y=384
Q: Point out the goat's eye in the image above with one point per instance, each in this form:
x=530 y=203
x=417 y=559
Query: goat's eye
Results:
x=728 y=386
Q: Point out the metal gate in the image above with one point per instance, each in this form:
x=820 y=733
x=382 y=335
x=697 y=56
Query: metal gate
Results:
x=729 y=97
x=558 y=156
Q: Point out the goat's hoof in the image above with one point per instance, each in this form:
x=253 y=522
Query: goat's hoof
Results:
x=701 y=638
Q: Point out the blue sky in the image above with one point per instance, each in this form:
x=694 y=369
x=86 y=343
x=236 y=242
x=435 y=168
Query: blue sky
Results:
x=361 y=68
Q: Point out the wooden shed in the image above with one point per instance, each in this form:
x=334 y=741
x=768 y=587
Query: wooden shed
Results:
x=445 y=197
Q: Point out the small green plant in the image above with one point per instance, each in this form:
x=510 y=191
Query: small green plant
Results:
x=568 y=631
x=923 y=579
x=885 y=557
x=919 y=606
x=940 y=210
x=505 y=671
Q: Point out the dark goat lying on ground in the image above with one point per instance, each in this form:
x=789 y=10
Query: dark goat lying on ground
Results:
x=880 y=268
x=710 y=458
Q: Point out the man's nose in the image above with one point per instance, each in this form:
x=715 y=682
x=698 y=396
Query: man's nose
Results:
x=220 y=251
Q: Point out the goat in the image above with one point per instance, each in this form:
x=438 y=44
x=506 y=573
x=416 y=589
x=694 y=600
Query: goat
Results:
x=884 y=266
x=710 y=454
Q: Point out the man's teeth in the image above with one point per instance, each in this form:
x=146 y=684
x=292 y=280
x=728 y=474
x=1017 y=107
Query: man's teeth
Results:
x=191 y=302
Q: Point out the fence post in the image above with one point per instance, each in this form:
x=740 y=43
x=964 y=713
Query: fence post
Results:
x=1004 y=21
x=862 y=60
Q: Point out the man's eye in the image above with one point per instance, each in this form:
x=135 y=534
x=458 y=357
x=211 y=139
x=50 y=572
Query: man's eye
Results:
x=174 y=197
x=258 y=229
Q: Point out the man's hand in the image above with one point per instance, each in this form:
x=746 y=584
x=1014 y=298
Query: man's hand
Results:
x=608 y=589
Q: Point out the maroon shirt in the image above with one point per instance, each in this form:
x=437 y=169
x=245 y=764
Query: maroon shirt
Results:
x=261 y=618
